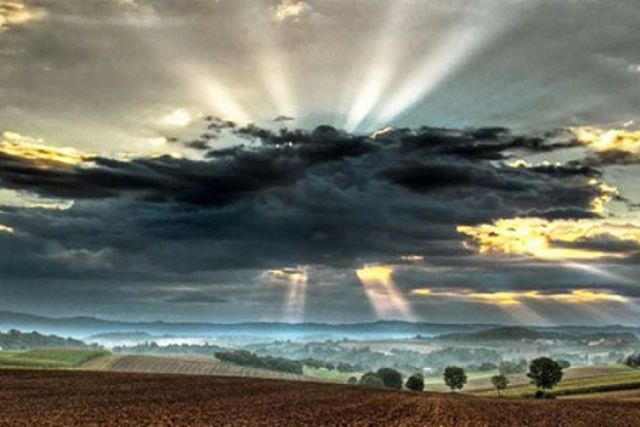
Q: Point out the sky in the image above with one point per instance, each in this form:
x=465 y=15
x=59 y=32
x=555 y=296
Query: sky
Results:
x=330 y=161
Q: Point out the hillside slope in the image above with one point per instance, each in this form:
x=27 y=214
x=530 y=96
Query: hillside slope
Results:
x=191 y=365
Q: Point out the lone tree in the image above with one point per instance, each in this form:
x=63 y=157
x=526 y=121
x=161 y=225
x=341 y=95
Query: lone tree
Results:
x=545 y=373
x=390 y=377
x=500 y=382
x=415 y=382
x=371 y=379
x=352 y=380
x=455 y=377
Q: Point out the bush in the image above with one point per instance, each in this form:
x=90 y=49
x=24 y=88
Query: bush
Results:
x=371 y=379
x=454 y=377
x=352 y=380
x=415 y=382
x=390 y=377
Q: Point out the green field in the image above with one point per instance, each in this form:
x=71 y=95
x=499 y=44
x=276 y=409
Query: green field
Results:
x=49 y=358
x=582 y=381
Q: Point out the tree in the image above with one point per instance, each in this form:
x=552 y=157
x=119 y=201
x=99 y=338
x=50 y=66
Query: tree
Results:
x=545 y=373
x=415 y=382
x=633 y=360
x=352 y=380
x=455 y=377
x=390 y=377
x=564 y=364
x=500 y=382
x=371 y=379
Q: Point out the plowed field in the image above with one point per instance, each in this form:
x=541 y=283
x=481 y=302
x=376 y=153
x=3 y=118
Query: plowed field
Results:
x=72 y=398
x=190 y=366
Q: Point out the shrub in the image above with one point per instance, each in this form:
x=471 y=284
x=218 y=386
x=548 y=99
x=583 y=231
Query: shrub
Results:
x=415 y=382
x=390 y=377
x=352 y=380
x=371 y=379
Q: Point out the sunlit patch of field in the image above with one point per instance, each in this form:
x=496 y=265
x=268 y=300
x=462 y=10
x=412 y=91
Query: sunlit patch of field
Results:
x=480 y=382
x=580 y=381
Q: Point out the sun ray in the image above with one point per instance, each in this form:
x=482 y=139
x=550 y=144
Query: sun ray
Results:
x=600 y=272
x=266 y=39
x=218 y=97
x=380 y=71
x=383 y=294
x=295 y=282
x=464 y=41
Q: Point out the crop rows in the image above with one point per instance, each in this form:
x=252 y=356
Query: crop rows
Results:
x=70 y=398
x=191 y=366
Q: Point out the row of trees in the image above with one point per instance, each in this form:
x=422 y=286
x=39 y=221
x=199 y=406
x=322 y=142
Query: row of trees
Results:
x=389 y=378
x=246 y=358
x=17 y=340
x=545 y=373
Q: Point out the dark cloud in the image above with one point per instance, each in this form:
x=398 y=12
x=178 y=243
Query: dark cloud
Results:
x=293 y=197
x=278 y=199
x=424 y=177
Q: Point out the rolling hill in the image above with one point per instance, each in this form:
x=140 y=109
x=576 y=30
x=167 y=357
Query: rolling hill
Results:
x=107 y=398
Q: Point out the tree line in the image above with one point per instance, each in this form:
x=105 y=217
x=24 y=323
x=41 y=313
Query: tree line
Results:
x=544 y=372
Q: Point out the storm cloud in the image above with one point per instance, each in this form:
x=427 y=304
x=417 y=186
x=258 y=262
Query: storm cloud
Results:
x=157 y=155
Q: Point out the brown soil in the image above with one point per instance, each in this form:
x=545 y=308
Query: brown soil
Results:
x=70 y=398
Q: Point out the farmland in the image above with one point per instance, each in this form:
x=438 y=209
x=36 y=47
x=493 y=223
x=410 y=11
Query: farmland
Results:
x=50 y=358
x=93 y=360
x=598 y=382
x=577 y=381
x=108 y=398
x=191 y=365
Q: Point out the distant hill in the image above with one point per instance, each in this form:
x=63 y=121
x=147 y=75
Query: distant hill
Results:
x=516 y=333
x=17 y=340
x=81 y=327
